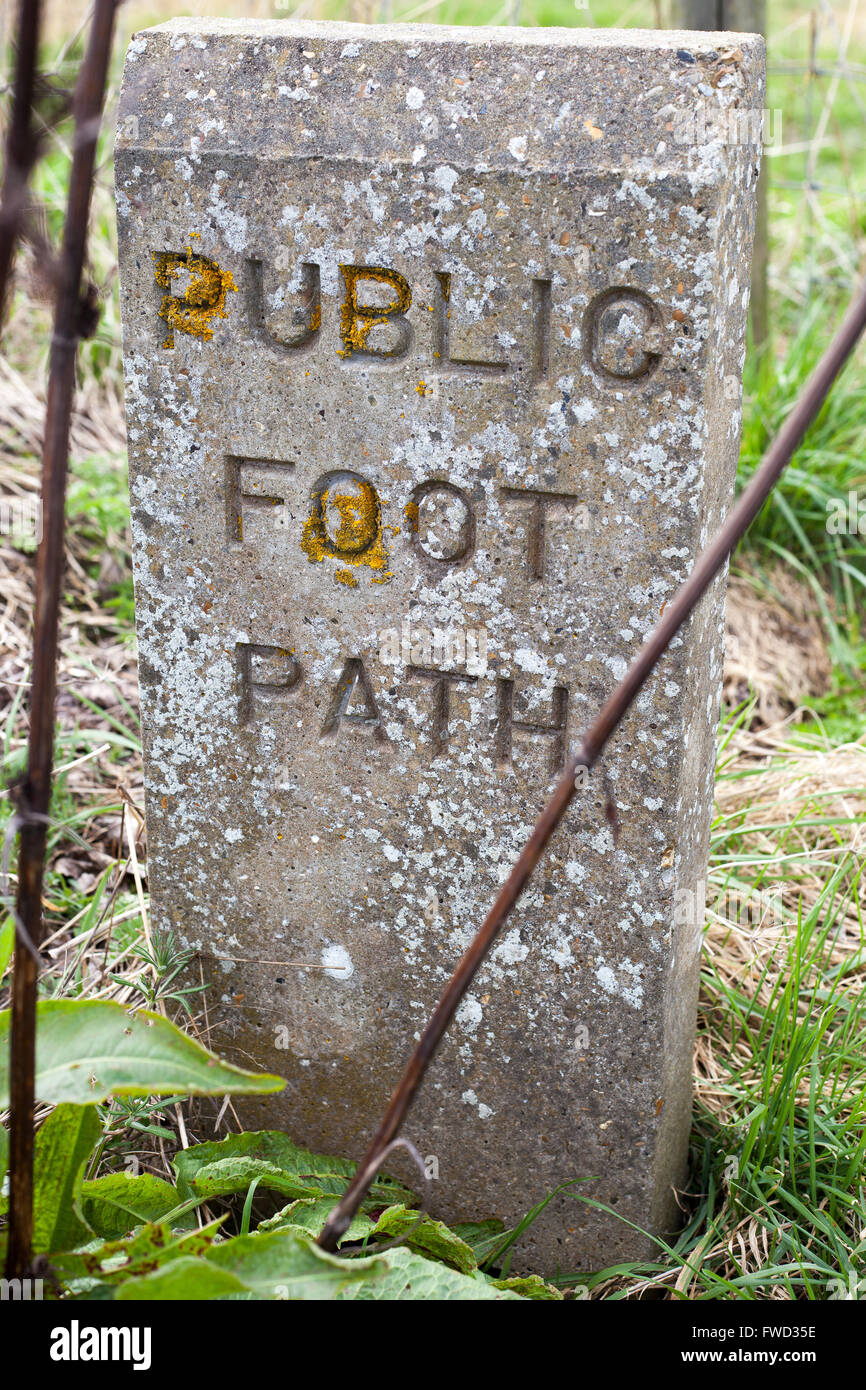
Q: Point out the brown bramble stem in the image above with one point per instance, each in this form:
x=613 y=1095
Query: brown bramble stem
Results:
x=22 y=145
x=33 y=795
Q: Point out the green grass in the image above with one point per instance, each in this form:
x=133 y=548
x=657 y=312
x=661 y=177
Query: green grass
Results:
x=830 y=463
x=97 y=508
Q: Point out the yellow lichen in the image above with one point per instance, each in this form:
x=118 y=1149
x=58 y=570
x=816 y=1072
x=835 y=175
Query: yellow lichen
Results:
x=358 y=321
x=203 y=299
x=360 y=537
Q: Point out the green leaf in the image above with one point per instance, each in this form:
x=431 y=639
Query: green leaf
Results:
x=7 y=943
x=279 y=1265
x=87 y=1050
x=530 y=1286
x=310 y=1214
x=285 y=1264
x=228 y=1166
x=4 y=1154
x=113 y=1262
x=113 y=1205
x=233 y=1175
x=248 y=1207
x=430 y=1238
x=183 y=1280
x=411 y=1277
x=63 y=1145
x=485 y=1237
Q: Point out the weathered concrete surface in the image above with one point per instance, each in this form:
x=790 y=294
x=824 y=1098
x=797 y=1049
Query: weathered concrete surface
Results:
x=530 y=441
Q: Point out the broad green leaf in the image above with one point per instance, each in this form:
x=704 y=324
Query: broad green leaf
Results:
x=184 y=1280
x=411 y=1277
x=87 y=1050
x=429 y=1237
x=232 y=1175
x=63 y=1145
x=310 y=1214
x=287 y=1265
x=229 y=1165
x=530 y=1286
x=113 y=1205
x=114 y=1261
x=280 y=1265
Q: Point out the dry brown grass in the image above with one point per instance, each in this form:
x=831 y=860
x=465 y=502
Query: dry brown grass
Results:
x=800 y=812
x=774 y=644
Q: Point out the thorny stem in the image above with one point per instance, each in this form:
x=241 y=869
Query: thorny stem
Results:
x=34 y=794
x=707 y=566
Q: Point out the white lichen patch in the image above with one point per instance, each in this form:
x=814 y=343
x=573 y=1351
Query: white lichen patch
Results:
x=337 y=962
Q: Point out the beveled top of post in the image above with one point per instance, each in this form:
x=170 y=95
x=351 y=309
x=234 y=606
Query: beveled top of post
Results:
x=489 y=98
x=695 y=41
